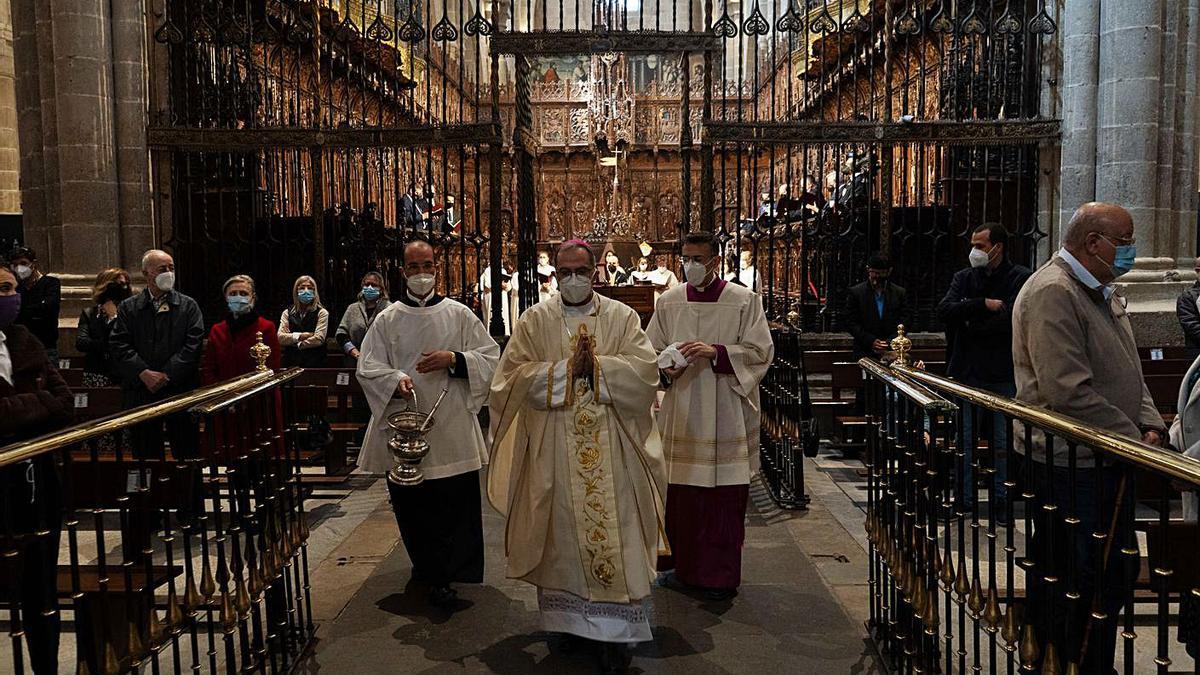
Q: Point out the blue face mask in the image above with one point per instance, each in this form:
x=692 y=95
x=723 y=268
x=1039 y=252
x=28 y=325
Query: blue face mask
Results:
x=370 y=293
x=238 y=304
x=1123 y=260
x=306 y=296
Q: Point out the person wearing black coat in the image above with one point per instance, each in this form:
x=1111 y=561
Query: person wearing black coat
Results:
x=873 y=309
x=41 y=298
x=34 y=400
x=155 y=346
x=977 y=310
x=95 y=324
x=1189 y=315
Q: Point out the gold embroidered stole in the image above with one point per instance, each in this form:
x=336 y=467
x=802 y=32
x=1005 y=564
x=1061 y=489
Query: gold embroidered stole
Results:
x=592 y=491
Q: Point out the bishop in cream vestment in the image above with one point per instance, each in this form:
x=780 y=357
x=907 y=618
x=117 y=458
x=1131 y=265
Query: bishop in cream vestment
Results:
x=577 y=467
x=710 y=425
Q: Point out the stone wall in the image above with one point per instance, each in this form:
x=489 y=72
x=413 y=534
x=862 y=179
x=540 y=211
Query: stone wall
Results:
x=1128 y=76
x=81 y=114
x=10 y=191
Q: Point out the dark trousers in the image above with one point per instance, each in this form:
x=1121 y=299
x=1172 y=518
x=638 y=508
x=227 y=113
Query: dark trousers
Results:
x=181 y=433
x=1073 y=557
x=34 y=503
x=441 y=524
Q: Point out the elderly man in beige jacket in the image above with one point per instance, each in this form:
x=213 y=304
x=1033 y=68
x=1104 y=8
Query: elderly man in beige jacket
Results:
x=1074 y=354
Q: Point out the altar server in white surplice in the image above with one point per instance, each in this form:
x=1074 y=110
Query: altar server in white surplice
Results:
x=715 y=347
x=577 y=466
x=420 y=345
x=509 y=287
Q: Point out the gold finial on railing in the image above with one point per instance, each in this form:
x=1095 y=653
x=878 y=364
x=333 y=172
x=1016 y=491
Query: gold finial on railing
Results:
x=901 y=345
x=260 y=352
x=793 y=319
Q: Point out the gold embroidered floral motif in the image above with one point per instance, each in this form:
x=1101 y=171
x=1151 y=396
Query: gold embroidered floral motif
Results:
x=593 y=486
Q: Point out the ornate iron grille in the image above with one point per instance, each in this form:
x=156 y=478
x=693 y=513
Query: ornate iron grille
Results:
x=319 y=136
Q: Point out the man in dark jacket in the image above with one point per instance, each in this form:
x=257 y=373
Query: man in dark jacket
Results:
x=977 y=311
x=1189 y=315
x=873 y=308
x=41 y=299
x=155 y=347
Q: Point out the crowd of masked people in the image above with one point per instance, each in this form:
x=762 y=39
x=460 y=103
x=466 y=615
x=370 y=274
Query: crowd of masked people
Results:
x=1058 y=338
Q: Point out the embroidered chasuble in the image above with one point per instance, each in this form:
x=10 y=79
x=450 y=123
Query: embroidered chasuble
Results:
x=710 y=418
x=577 y=467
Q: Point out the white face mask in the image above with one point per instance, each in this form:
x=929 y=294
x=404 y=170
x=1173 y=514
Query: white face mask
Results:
x=643 y=267
x=23 y=272
x=695 y=273
x=979 y=258
x=575 y=289
x=420 y=284
x=165 y=281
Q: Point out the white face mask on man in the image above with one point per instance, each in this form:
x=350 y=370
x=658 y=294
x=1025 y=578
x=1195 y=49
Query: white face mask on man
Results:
x=979 y=258
x=575 y=288
x=695 y=273
x=421 y=284
x=165 y=281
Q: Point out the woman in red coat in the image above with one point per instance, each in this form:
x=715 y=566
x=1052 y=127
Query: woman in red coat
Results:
x=227 y=354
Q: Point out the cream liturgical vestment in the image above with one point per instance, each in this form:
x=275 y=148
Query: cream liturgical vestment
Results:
x=578 y=470
x=710 y=421
x=392 y=348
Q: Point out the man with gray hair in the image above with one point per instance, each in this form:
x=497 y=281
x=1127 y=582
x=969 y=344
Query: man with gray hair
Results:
x=155 y=349
x=1074 y=354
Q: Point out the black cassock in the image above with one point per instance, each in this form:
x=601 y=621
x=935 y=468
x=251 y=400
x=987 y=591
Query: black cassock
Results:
x=441 y=523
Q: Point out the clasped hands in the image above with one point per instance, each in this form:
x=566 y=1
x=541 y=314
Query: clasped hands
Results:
x=153 y=380
x=691 y=351
x=583 y=358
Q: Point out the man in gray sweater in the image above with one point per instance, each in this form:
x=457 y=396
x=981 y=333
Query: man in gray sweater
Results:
x=1074 y=354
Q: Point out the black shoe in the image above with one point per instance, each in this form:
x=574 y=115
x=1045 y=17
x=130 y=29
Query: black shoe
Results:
x=613 y=658
x=442 y=596
x=719 y=594
x=564 y=643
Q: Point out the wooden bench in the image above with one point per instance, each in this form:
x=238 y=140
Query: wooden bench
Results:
x=346 y=409
x=96 y=402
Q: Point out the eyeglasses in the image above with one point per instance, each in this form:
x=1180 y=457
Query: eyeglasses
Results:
x=417 y=268
x=585 y=272
x=1117 y=242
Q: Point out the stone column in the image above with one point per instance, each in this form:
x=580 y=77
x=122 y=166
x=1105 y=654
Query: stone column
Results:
x=1129 y=104
x=10 y=191
x=81 y=113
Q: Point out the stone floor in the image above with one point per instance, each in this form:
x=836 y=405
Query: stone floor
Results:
x=799 y=611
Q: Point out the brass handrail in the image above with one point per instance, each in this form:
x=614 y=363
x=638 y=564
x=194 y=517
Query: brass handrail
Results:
x=211 y=406
x=915 y=392
x=19 y=452
x=1172 y=464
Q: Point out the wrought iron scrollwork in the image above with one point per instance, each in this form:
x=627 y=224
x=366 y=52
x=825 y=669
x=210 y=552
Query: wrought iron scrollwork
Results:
x=725 y=26
x=756 y=23
x=477 y=25
x=444 y=31
x=169 y=33
x=379 y=30
x=790 y=21
x=411 y=31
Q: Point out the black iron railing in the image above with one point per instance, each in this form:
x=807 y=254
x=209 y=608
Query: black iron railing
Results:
x=1069 y=557
x=783 y=423
x=122 y=555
